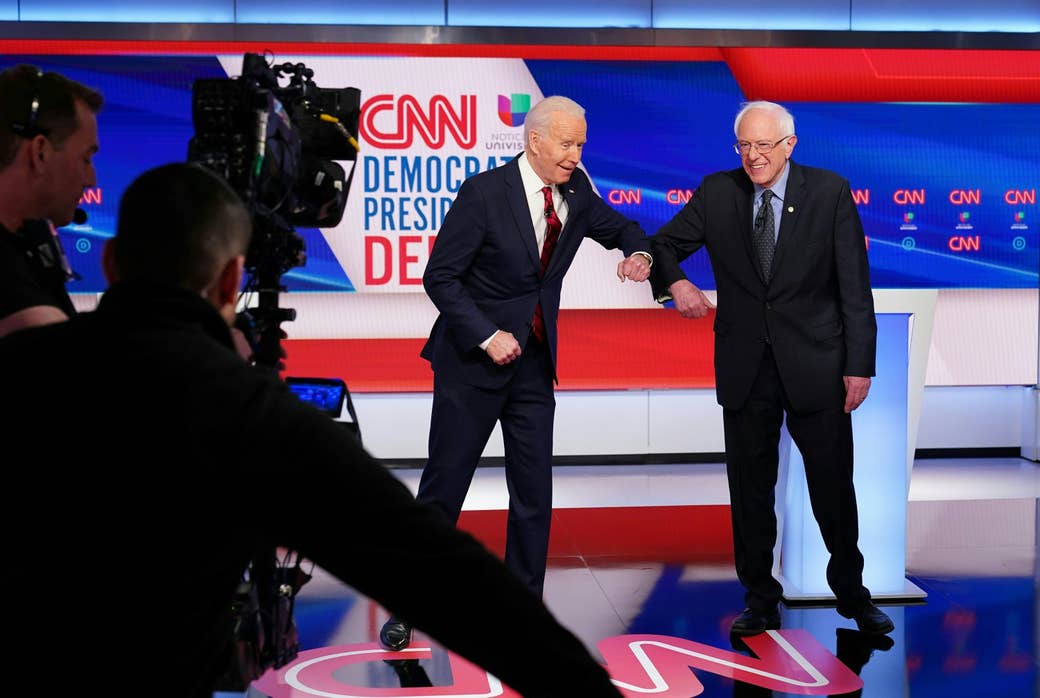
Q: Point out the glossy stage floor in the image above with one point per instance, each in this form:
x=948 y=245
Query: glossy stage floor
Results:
x=665 y=568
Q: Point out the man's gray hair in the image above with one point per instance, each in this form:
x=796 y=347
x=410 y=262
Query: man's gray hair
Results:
x=541 y=114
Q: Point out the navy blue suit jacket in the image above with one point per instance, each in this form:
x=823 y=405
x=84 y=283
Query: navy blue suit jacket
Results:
x=484 y=272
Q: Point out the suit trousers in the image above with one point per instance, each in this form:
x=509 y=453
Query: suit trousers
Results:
x=824 y=439
x=461 y=423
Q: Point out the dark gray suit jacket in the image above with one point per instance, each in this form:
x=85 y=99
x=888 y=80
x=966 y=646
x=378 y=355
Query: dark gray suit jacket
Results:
x=817 y=310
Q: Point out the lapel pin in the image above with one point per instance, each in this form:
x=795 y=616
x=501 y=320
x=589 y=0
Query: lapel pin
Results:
x=790 y=209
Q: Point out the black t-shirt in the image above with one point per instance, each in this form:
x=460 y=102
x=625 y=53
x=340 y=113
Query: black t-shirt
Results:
x=28 y=277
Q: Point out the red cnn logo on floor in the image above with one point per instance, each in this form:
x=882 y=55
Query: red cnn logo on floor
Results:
x=791 y=661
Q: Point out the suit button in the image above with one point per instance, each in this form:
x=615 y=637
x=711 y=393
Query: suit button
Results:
x=768 y=306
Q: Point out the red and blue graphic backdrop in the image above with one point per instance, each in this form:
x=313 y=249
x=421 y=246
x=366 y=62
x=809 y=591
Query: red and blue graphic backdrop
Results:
x=945 y=187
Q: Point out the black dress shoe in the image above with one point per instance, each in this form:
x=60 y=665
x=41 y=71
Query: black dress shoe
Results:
x=870 y=619
x=752 y=622
x=395 y=634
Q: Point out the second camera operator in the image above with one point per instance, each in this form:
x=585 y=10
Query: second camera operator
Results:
x=48 y=137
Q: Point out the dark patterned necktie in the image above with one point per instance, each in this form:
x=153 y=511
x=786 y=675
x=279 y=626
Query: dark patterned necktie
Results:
x=762 y=239
x=552 y=235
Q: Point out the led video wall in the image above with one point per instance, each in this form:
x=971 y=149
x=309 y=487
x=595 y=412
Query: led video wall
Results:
x=946 y=189
x=935 y=145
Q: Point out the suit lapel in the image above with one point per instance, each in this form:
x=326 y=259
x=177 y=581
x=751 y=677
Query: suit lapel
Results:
x=517 y=198
x=792 y=207
x=742 y=204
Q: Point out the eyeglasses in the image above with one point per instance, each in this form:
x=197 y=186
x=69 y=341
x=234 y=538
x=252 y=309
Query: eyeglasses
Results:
x=763 y=147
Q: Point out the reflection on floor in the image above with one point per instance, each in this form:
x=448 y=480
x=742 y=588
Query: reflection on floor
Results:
x=666 y=569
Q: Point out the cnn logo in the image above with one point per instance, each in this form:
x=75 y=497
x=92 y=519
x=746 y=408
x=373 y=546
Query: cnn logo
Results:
x=393 y=123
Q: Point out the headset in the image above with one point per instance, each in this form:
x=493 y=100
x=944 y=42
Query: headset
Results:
x=29 y=128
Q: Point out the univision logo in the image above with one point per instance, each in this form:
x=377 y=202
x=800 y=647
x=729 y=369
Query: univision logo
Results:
x=908 y=221
x=513 y=109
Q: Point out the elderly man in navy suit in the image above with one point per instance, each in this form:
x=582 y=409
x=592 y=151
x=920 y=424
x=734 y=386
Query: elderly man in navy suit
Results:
x=795 y=338
x=496 y=274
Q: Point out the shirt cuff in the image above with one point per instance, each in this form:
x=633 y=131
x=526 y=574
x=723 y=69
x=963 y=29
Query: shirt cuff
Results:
x=484 y=345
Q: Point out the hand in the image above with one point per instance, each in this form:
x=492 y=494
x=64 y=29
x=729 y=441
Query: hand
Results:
x=856 y=389
x=690 y=301
x=635 y=267
x=242 y=345
x=503 y=348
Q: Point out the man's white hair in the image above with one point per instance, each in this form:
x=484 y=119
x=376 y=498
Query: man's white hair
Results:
x=783 y=117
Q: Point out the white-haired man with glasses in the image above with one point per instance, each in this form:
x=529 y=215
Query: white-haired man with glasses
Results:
x=795 y=338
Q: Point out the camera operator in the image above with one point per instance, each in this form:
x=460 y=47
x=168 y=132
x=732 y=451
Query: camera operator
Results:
x=197 y=460
x=48 y=136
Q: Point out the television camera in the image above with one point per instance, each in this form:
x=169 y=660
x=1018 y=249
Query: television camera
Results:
x=277 y=146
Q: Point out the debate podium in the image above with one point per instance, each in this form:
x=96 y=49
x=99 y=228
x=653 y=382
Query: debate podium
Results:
x=885 y=436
